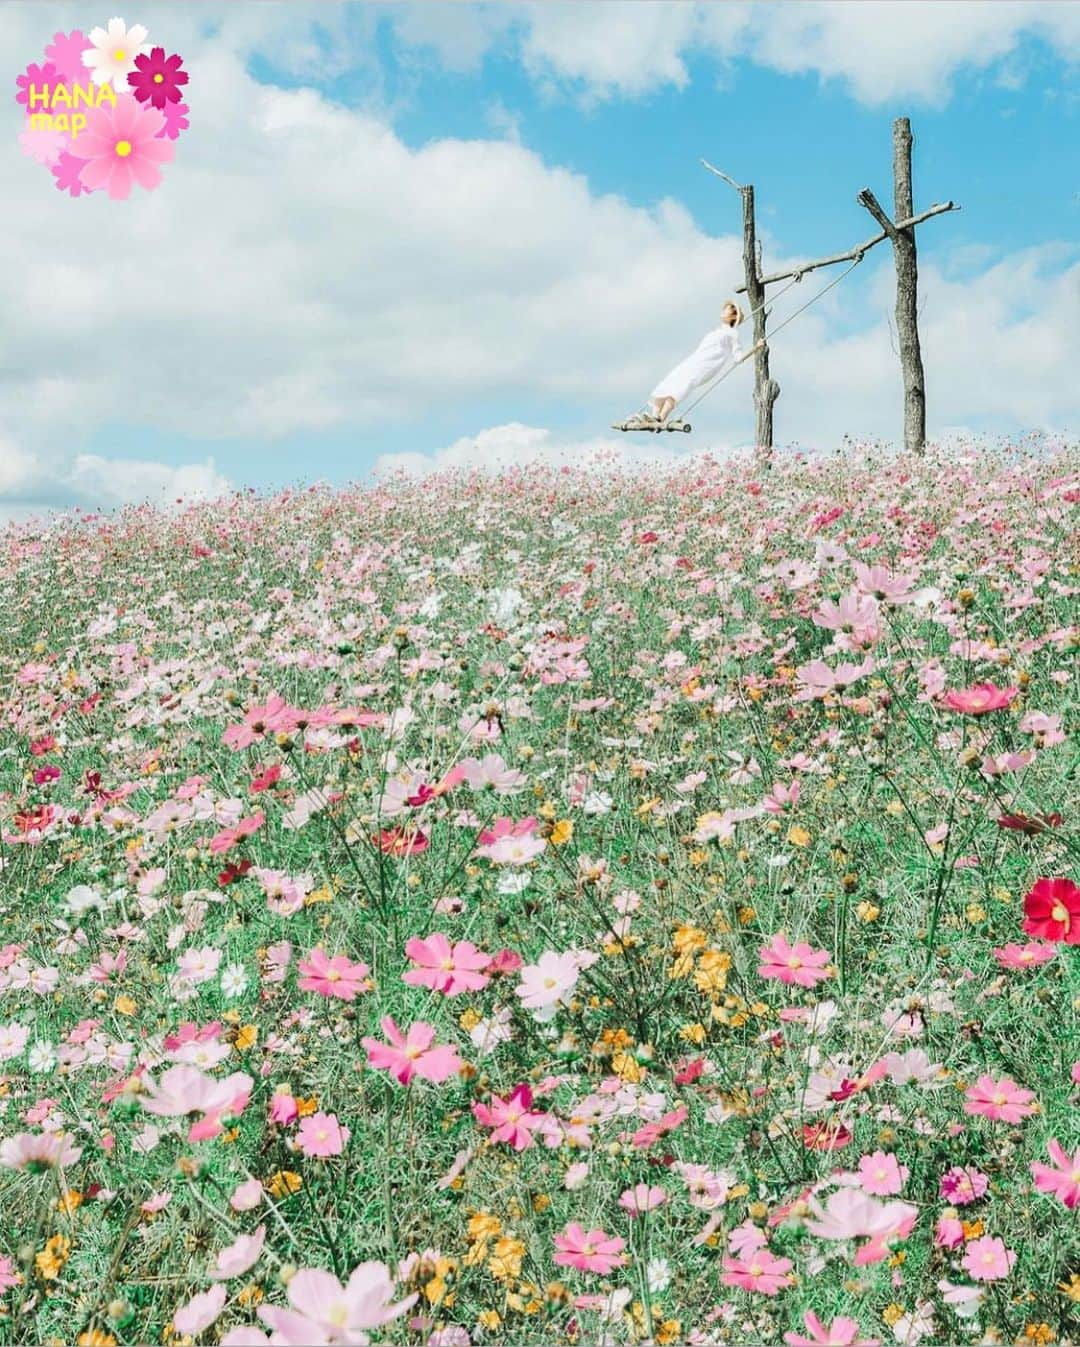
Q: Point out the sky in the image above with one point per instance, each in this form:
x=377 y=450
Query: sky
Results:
x=416 y=235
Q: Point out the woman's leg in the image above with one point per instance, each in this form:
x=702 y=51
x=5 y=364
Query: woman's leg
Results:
x=664 y=408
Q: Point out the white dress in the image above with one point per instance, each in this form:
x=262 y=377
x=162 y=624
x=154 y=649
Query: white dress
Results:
x=718 y=351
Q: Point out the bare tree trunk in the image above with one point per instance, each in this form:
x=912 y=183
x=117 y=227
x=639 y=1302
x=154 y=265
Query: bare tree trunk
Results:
x=907 y=293
x=766 y=390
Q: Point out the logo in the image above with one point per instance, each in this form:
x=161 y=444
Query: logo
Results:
x=102 y=113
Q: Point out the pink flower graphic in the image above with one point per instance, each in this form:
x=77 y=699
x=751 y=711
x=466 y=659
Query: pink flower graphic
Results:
x=44 y=147
x=38 y=77
x=121 y=147
x=64 y=52
x=175 y=120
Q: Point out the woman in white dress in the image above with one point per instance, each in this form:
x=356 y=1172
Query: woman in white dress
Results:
x=717 y=352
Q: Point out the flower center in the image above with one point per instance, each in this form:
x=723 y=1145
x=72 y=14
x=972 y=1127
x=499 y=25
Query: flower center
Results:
x=119 y=54
x=794 y=962
x=123 y=148
x=333 y=975
x=159 y=78
x=1060 y=913
x=447 y=965
x=1000 y=1099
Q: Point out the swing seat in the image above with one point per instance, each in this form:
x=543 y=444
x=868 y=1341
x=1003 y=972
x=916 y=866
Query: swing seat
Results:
x=651 y=425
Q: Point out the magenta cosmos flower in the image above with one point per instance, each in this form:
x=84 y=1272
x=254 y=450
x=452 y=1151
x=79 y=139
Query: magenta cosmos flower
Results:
x=589 y=1251
x=412 y=1054
x=121 y=147
x=979 y=699
x=799 y=965
x=451 y=969
x=325 y=1311
x=513 y=1119
x=157 y=78
x=41 y=79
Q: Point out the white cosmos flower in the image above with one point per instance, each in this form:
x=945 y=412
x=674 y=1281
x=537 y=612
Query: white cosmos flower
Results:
x=658 y=1275
x=41 y=1057
x=110 y=58
x=234 y=980
x=82 y=898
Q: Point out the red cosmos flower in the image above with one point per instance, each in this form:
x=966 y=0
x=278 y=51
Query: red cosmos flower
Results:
x=979 y=699
x=688 y=1072
x=1052 y=911
x=649 y=537
x=232 y=873
x=1030 y=825
x=266 y=779
x=825 y=1136
x=423 y=795
x=157 y=78
x=39 y=747
x=503 y=962
x=651 y=1133
x=398 y=842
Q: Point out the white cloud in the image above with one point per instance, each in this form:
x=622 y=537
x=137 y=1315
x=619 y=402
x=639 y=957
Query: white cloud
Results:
x=513 y=445
x=880 y=50
x=32 y=484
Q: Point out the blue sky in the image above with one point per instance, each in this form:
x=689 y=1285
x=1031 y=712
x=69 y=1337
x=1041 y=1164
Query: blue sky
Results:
x=800 y=104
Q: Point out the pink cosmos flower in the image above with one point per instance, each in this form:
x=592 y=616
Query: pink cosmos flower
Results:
x=241 y=1255
x=49 y=1150
x=451 y=969
x=590 y=1251
x=949 y=1232
x=246 y=1196
x=979 y=699
x=649 y=1134
x=337 y=976
x=881 y=583
x=324 y=1311
x=321 y=1135
x=412 y=1054
x=8 y=1276
x=512 y=1118
x=882 y=1174
x=987 y=1259
x=1031 y=955
x=842 y=1332
x=999 y=1100
x=1062 y=1181
x=801 y=965
x=642 y=1198
x=963 y=1186
x=851 y=1214
x=760 y=1271
x=276 y=716
x=185 y=1089
x=121 y=147
x=818 y=679
x=200 y=1312
x=283 y=1107
x=227 y=838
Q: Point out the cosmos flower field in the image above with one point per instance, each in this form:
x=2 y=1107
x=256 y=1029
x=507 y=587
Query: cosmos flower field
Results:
x=574 y=906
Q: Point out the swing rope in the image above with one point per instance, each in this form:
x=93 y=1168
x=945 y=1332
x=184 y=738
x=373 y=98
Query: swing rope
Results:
x=812 y=300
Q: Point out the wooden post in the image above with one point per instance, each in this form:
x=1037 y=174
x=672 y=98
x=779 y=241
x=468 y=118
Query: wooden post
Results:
x=766 y=389
x=907 y=285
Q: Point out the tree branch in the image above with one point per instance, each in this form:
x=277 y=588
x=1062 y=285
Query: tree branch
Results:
x=854 y=252
x=873 y=205
x=730 y=181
